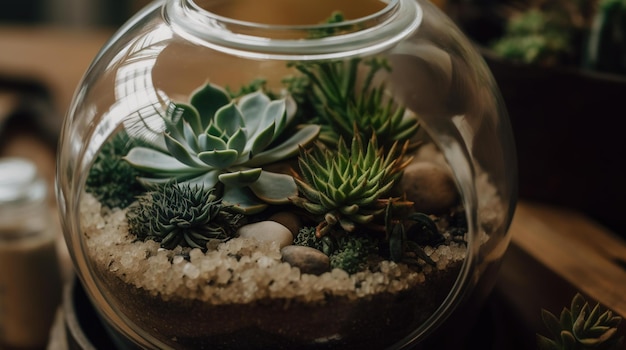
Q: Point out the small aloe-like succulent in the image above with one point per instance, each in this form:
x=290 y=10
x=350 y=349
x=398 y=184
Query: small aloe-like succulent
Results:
x=184 y=215
x=347 y=186
x=216 y=141
x=581 y=327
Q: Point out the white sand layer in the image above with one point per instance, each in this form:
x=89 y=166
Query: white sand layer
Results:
x=238 y=271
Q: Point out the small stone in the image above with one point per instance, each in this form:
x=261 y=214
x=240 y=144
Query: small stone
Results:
x=430 y=187
x=289 y=220
x=308 y=260
x=267 y=231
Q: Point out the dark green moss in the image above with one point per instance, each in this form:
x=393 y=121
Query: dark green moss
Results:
x=111 y=179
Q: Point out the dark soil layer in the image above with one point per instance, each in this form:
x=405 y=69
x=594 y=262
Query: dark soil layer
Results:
x=372 y=322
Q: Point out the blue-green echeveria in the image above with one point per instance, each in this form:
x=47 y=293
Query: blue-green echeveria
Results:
x=218 y=142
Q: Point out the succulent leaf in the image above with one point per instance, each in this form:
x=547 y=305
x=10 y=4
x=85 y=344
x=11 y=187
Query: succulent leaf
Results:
x=274 y=188
x=240 y=178
x=243 y=200
x=153 y=161
x=207 y=100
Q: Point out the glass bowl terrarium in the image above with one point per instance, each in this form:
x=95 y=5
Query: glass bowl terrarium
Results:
x=273 y=174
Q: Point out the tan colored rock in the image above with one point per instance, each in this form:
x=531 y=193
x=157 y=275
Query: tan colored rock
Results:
x=289 y=220
x=267 y=231
x=308 y=260
x=430 y=187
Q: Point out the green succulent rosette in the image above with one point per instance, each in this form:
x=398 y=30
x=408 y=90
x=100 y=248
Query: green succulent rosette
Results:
x=346 y=187
x=215 y=141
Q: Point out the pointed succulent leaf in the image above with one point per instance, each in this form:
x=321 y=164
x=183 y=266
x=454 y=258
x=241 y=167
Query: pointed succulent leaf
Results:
x=274 y=188
x=276 y=114
x=314 y=208
x=568 y=340
x=579 y=323
x=252 y=107
x=180 y=151
x=207 y=180
x=288 y=148
x=190 y=137
x=219 y=159
x=596 y=341
x=214 y=129
x=261 y=140
x=211 y=143
x=240 y=178
x=347 y=225
x=551 y=322
x=328 y=202
x=594 y=334
x=187 y=113
x=207 y=100
x=238 y=141
x=566 y=319
x=349 y=209
x=241 y=199
x=544 y=343
x=308 y=191
x=578 y=303
x=153 y=161
x=593 y=317
x=229 y=119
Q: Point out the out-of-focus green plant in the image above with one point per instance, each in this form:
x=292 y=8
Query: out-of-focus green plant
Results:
x=535 y=37
x=584 y=33
x=606 y=47
x=581 y=327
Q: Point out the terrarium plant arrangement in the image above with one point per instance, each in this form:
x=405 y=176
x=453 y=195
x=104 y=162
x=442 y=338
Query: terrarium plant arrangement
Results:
x=263 y=197
x=293 y=195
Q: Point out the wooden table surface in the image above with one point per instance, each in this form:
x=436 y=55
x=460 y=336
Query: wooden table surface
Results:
x=554 y=252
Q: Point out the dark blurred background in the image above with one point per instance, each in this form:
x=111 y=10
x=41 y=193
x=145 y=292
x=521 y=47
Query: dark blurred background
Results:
x=72 y=13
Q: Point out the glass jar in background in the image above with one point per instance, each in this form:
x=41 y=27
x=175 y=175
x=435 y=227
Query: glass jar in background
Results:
x=30 y=277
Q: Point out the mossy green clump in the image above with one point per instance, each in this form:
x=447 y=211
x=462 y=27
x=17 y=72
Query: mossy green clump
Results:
x=111 y=180
x=347 y=252
x=352 y=253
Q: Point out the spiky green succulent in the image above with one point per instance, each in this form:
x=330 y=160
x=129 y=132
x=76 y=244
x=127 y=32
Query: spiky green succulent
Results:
x=347 y=186
x=185 y=215
x=581 y=327
x=340 y=101
x=216 y=141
